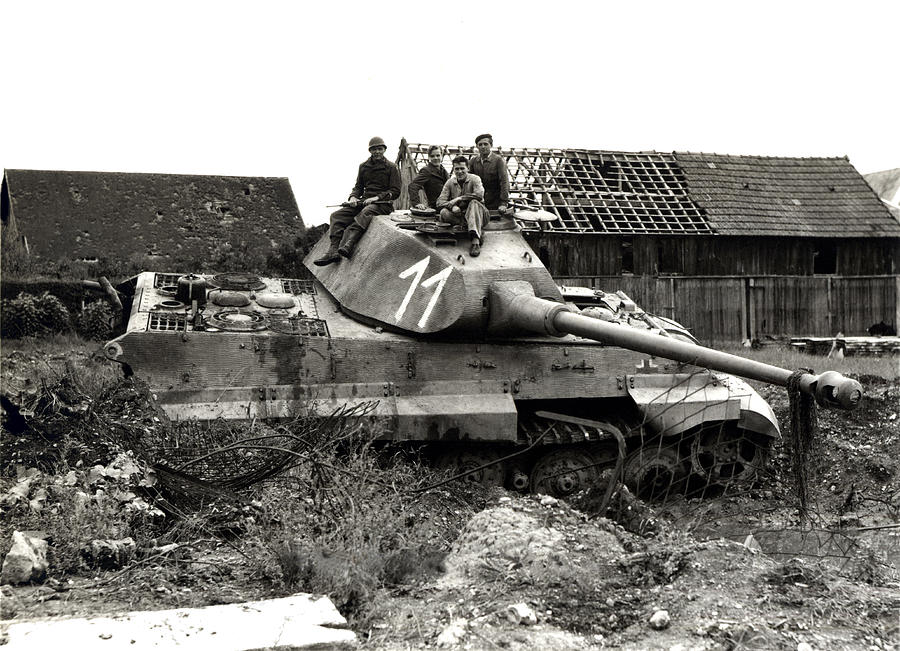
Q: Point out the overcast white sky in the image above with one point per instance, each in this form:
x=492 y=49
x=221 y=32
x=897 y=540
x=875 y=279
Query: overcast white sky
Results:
x=296 y=89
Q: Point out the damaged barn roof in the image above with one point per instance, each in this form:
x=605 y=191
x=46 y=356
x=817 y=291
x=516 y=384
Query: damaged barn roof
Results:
x=179 y=217
x=610 y=192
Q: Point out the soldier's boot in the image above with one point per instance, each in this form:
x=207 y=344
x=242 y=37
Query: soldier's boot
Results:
x=331 y=255
x=475 y=249
x=350 y=239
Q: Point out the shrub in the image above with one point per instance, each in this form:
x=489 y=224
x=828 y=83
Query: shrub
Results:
x=21 y=317
x=53 y=315
x=28 y=315
x=95 y=321
x=287 y=262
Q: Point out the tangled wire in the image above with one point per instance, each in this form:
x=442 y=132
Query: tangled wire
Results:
x=802 y=437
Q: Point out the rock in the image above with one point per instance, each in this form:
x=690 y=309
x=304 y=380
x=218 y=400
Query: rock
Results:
x=36 y=503
x=109 y=554
x=751 y=543
x=521 y=613
x=22 y=488
x=805 y=646
x=453 y=634
x=660 y=620
x=26 y=560
x=9 y=603
x=547 y=500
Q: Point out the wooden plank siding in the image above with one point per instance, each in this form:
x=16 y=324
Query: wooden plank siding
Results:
x=728 y=288
x=860 y=302
x=790 y=305
x=567 y=254
x=729 y=309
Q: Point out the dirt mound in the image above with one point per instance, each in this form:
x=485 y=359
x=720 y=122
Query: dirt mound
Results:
x=589 y=584
x=523 y=537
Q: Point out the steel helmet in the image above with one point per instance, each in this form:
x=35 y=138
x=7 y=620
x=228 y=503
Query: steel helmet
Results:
x=377 y=142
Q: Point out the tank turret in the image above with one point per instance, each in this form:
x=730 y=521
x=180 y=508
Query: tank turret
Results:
x=485 y=361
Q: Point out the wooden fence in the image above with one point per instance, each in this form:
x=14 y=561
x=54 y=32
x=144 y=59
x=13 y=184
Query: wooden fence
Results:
x=729 y=309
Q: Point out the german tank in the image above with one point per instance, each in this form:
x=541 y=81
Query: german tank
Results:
x=483 y=359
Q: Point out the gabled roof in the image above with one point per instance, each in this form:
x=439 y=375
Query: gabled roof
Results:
x=179 y=217
x=767 y=195
x=687 y=193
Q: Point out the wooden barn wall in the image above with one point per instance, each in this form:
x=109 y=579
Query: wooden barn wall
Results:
x=729 y=309
x=727 y=289
x=568 y=254
x=857 y=303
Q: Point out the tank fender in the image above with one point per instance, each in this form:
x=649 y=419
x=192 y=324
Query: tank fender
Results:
x=756 y=414
x=675 y=403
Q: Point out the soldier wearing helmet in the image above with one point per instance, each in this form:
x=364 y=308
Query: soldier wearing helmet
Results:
x=377 y=185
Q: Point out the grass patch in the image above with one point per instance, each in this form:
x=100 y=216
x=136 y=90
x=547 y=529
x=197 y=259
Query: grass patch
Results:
x=353 y=522
x=786 y=357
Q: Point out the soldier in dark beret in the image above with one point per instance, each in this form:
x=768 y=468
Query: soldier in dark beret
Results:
x=491 y=168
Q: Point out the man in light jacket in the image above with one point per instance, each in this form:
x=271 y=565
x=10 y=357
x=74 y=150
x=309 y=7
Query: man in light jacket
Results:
x=461 y=202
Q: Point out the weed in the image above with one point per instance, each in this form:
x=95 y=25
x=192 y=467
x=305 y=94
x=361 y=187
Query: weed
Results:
x=352 y=525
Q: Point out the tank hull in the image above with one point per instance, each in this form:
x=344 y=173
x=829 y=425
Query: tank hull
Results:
x=423 y=390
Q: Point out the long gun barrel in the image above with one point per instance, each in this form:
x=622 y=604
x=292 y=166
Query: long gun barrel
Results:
x=513 y=304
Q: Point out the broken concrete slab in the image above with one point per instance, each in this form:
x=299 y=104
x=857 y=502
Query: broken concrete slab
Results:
x=296 y=622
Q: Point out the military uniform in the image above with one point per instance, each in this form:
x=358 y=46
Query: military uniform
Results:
x=379 y=179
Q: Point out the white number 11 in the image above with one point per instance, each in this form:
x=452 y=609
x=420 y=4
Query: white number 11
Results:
x=419 y=270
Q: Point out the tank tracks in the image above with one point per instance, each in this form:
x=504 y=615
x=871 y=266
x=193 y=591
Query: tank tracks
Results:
x=560 y=455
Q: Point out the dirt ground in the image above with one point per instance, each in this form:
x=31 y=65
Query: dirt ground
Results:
x=532 y=572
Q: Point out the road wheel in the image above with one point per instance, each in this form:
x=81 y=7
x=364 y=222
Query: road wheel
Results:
x=564 y=471
x=655 y=472
x=727 y=455
x=461 y=460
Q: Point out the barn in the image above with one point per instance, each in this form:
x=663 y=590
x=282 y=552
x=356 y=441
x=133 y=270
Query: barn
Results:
x=164 y=220
x=734 y=247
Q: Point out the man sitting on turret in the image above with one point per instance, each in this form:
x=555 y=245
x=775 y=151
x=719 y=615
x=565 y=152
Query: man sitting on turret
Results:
x=461 y=203
x=377 y=185
x=430 y=179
